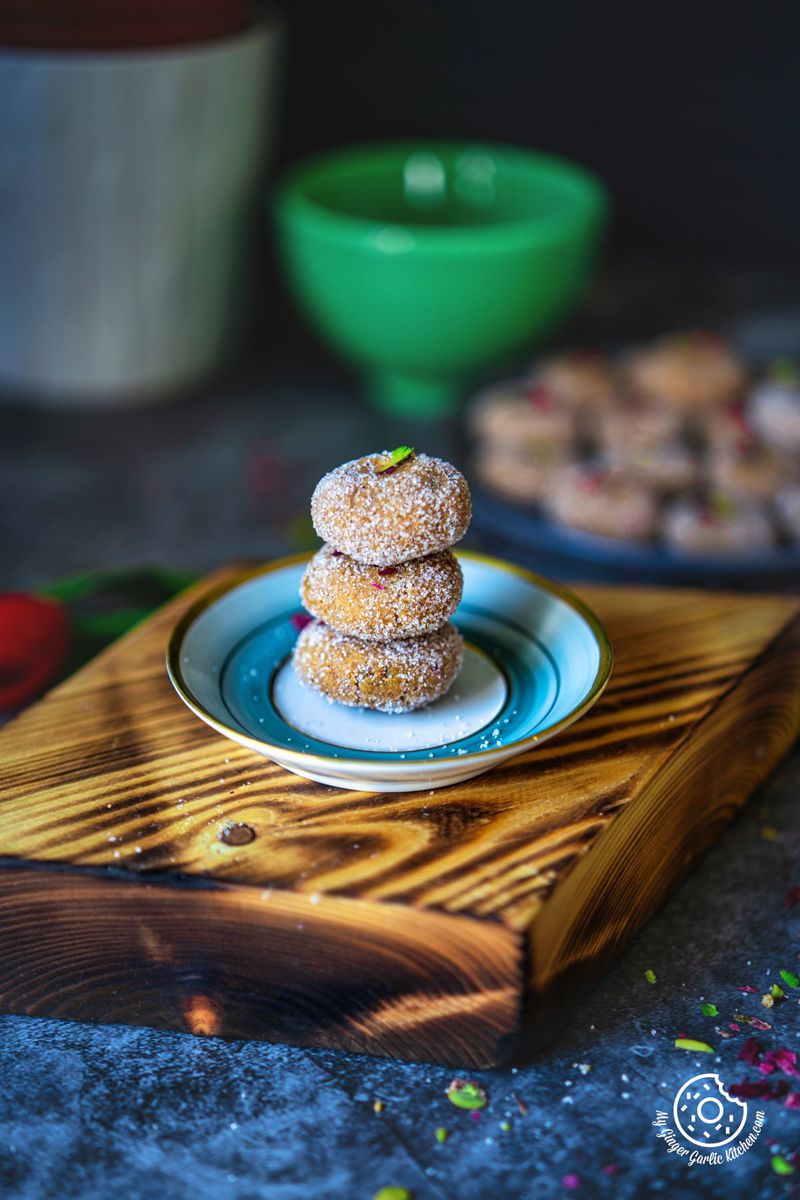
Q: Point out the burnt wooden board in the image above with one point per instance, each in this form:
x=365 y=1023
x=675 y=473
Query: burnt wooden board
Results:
x=434 y=926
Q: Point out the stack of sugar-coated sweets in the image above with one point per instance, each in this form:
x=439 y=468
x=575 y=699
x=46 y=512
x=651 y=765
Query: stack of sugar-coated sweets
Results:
x=384 y=585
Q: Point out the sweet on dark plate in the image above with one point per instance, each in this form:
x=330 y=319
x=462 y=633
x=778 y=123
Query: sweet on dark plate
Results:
x=686 y=457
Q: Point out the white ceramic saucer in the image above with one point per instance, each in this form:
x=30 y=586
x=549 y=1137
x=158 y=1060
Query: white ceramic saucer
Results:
x=536 y=660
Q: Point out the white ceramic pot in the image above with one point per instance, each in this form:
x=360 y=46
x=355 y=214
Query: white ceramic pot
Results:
x=128 y=186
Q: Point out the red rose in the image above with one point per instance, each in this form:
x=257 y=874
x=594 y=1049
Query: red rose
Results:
x=34 y=639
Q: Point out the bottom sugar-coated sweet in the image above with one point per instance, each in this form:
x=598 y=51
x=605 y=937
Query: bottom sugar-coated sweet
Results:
x=395 y=676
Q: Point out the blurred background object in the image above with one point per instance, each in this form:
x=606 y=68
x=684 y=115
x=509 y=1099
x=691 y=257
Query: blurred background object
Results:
x=686 y=111
x=424 y=262
x=671 y=461
x=685 y=114
x=121 y=25
x=47 y=636
x=131 y=169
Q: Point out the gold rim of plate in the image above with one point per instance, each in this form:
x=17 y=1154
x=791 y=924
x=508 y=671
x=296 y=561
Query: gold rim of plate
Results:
x=182 y=626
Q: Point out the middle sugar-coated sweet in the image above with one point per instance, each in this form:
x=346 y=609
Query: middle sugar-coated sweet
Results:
x=381 y=603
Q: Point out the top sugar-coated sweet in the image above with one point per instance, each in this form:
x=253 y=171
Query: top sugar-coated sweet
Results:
x=386 y=516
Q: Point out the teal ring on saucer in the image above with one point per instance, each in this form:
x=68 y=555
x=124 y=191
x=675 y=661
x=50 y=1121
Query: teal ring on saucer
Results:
x=552 y=652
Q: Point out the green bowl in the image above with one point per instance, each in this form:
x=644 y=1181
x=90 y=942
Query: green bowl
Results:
x=423 y=264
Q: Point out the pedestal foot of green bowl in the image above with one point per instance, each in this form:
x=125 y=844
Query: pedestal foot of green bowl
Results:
x=414 y=395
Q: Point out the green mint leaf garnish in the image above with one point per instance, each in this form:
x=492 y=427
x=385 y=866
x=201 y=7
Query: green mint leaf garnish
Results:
x=396 y=457
x=723 y=506
x=709 y=1010
x=780 y=1166
x=691 y=1044
x=466 y=1095
x=783 y=370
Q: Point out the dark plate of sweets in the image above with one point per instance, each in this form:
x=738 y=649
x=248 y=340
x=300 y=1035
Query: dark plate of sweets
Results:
x=673 y=461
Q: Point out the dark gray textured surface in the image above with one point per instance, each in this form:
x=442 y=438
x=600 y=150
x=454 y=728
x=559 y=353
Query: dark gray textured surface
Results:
x=92 y=1113
x=193 y=483
x=89 y=1112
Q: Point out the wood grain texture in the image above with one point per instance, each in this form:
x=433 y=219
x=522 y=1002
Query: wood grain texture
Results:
x=420 y=925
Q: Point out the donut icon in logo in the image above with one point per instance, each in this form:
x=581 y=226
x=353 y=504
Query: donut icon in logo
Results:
x=705 y=1114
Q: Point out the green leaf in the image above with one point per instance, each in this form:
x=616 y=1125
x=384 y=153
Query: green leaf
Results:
x=650 y=976
x=441 y=1134
x=783 y=370
x=790 y=979
x=301 y=533
x=777 y=991
x=691 y=1044
x=780 y=1166
x=468 y=1095
x=78 y=587
x=709 y=1010
x=397 y=456
x=722 y=505
x=109 y=625
x=87 y=584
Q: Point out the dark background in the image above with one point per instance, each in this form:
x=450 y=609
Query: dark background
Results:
x=688 y=111
x=689 y=114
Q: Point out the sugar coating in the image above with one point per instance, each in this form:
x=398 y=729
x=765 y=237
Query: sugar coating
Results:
x=609 y=502
x=581 y=379
x=523 y=478
x=394 y=676
x=774 y=410
x=384 y=518
x=381 y=603
x=726 y=428
x=755 y=472
x=688 y=370
x=787 y=505
x=694 y=526
x=510 y=415
x=634 y=425
x=668 y=466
